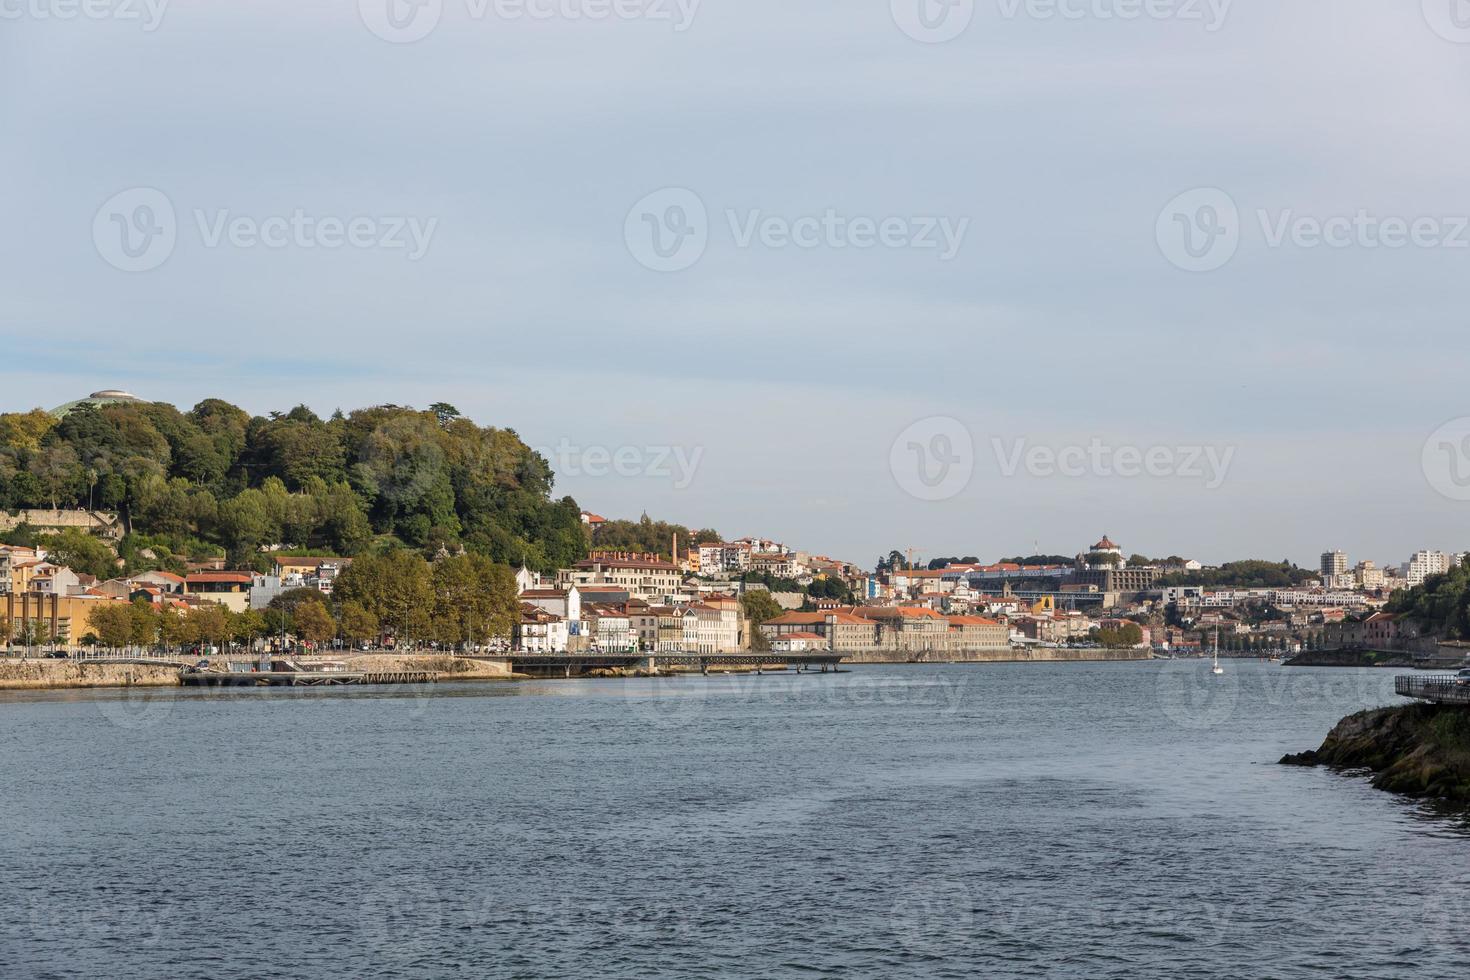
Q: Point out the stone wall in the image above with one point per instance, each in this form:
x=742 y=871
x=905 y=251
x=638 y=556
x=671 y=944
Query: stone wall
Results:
x=26 y=675
x=100 y=522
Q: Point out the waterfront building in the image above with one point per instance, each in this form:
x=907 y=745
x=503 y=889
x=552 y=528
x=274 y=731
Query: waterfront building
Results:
x=798 y=643
x=49 y=618
x=646 y=577
x=610 y=629
x=840 y=631
x=229 y=589
x=710 y=629
x=566 y=603
x=539 y=631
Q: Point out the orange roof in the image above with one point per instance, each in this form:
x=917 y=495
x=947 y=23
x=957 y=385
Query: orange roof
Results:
x=202 y=578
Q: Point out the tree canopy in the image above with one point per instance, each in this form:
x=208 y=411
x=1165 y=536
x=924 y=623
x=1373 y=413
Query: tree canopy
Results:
x=217 y=476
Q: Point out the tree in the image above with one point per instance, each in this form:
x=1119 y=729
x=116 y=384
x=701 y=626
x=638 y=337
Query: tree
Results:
x=113 y=624
x=474 y=600
x=313 y=623
x=357 y=624
x=444 y=412
x=247 y=627
x=759 y=606
x=143 y=623
x=396 y=588
x=209 y=624
x=81 y=552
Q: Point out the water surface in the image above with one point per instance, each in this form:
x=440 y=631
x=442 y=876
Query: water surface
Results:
x=1024 y=820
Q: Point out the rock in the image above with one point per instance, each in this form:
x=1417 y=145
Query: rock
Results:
x=1418 y=750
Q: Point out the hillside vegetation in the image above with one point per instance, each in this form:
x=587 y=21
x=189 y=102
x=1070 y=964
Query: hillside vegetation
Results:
x=1441 y=605
x=215 y=479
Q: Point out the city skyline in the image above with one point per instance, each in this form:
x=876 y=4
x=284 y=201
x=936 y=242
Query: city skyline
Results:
x=1040 y=155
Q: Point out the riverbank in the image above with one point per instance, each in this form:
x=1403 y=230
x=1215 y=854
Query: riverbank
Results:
x=998 y=656
x=1420 y=750
x=1444 y=656
x=42 y=675
x=45 y=674
x=1351 y=658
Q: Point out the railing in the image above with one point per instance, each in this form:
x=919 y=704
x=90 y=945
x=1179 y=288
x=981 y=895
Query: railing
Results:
x=1445 y=690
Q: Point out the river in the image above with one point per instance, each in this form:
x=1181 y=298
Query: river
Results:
x=1018 y=820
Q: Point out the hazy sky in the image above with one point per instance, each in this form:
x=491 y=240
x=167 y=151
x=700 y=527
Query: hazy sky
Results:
x=580 y=219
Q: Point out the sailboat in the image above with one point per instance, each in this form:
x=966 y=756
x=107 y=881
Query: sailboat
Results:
x=1217 y=669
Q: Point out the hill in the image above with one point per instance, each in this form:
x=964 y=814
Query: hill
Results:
x=215 y=478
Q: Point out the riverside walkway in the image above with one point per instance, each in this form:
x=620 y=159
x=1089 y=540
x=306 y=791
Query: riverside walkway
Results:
x=1441 y=690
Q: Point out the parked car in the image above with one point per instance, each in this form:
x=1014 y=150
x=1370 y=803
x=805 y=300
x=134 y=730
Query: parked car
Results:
x=1463 y=678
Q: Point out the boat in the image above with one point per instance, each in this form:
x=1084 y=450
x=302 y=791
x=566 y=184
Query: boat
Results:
x=1217 y=669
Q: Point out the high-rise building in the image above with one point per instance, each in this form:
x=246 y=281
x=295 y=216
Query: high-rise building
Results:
x=1422 y=564
x=1369 y=576
x=1334 y=563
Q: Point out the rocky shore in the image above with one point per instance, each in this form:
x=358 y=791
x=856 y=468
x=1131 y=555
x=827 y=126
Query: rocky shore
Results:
x=1420 y=750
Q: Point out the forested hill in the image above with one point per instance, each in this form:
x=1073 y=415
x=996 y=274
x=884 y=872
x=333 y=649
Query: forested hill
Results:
x=214 y=478
x=1440 y=606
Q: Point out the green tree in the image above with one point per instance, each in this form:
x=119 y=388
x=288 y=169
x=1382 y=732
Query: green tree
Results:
x=357 y=624
x=396 y=588
x=313 y=623
x=113 y=624
x=759 y=606
x=474 y=600
x=81 y=552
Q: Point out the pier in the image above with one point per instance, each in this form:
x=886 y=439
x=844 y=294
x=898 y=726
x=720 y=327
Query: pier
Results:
x=568 y=663
x=1440 y=690
x=302 y=678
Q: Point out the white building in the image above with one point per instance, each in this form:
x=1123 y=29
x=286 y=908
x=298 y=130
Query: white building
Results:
x=1422 y=564
x=540 y=632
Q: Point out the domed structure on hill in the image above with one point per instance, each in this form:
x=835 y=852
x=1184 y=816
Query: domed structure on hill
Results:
x=107 y=396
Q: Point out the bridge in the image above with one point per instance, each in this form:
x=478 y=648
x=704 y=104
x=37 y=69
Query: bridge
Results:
x=1441 y=690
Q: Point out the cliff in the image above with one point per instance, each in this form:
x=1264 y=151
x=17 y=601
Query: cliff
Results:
x=1416 y=750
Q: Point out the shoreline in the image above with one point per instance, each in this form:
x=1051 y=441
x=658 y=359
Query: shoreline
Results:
x=1416 y=750
x=49 y=674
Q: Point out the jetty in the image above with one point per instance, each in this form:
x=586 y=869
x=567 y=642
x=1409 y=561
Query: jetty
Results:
x=566 y=664
x=284 y=672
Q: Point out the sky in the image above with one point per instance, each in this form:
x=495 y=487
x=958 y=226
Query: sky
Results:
x=971 y=277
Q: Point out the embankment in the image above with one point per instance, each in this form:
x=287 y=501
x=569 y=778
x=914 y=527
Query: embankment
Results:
x=1420 y=750
x=37 y=675
x=43 y=674
x=1013 y=655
